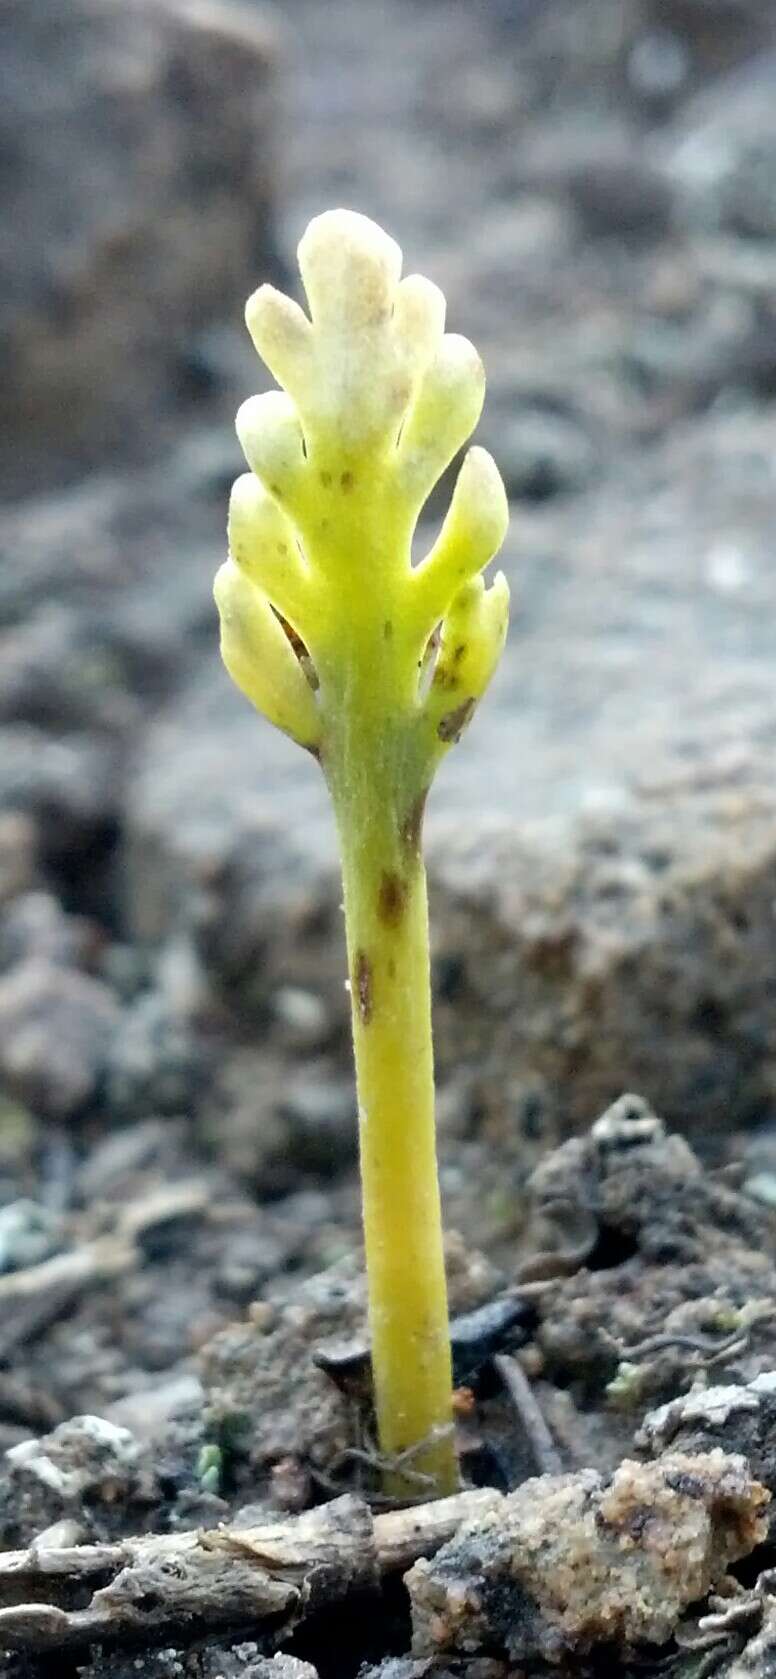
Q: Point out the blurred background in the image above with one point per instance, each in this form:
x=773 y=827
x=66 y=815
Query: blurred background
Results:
x=593 y=185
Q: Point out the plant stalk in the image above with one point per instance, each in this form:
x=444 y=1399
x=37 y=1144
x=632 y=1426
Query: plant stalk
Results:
x=386 y=916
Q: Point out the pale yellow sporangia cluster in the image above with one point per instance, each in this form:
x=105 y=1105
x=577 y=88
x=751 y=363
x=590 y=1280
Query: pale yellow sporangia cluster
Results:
x=377 y=400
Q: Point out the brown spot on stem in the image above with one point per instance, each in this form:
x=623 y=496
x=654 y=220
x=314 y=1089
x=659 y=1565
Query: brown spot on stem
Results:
x=387 y=630
x=451 y=726
x=325 y=478
x=459 y=652
x=391 y=968
x=412 y=826
x=276 y=491
x=445 y=678
x=346 y=481
x=363 y=987
x=391 y=898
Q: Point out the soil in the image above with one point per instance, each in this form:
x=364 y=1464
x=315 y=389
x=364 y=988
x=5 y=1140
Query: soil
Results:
x=182 y=1336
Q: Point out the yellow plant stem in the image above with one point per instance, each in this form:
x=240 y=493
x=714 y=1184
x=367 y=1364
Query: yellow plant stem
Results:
x=379 y=807
x=374 y=663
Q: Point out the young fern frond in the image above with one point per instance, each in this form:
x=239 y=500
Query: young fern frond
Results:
x=377 y=401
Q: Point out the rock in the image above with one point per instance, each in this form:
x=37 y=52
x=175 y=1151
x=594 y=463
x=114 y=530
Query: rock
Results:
x=715 y=1416
x=216 y=1661
x=66 y=787
x=147 y=1413
x=658 y=66
x=56 y=1027
x=301 y=1016
x=705 y=1412
x=18 y=1144
x=716 y=151
x=29 y=1233
x=283 y=1126
x=150 y=1152
x=320 y=1119
x=105 y=598
x=154 y=1063
x=405 y=1667
x=238 y=1661
x=66 y=671
x=620 y=197
x=35 y=928
x=229 y=876
x=244 y=1661
x=719 y=33
x=265 y=1396
x=137 y=146
x=87 y=1467
x=748 y=194
x=573 y=1561
x=17 y=854
x=543 y=453
x=648 y=1279
x=155 y=1664
x=605 y=931
x=631 y=1184
x=120 y=562
x=662 y=1272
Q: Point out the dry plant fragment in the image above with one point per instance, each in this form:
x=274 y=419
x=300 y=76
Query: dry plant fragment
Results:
x=376 y=666
x=267 y=1579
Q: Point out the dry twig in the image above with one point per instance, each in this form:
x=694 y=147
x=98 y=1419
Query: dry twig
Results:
x=266 y=1578
x=32 y=1299
x=545 y=1452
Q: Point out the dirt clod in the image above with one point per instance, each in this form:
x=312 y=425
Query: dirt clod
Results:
x=87 y=1469
x=572 y=1561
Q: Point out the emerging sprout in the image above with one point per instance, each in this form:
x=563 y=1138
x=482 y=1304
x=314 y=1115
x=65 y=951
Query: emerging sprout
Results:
x=376 y=666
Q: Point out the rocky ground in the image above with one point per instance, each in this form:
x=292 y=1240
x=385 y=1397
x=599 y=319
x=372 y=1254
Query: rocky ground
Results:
x=592 y=185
